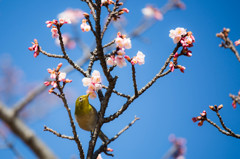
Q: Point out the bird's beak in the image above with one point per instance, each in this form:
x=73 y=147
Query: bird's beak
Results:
x=88 y=94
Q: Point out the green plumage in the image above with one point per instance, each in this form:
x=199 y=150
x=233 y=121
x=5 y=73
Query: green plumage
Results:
x=86 y=116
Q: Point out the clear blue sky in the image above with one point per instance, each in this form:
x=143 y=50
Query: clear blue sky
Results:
x=211 y=74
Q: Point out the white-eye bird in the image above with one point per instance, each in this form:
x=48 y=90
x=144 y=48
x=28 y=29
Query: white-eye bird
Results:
x=86 y=116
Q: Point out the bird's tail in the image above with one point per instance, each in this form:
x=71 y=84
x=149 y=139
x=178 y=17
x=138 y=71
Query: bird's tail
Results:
x=103 y=137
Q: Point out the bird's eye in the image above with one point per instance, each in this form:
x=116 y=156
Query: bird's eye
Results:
x=80 y=99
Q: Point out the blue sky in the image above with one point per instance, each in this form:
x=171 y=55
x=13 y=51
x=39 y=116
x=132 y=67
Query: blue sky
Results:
x=211 y=74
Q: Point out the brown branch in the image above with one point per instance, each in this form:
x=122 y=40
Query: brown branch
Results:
x=118 y=93
x=109 y=18
x=103 y=147
x=58 y=134
x=25 y=133
x=66 y=56
x=227 y=42
x=235 y=98
x=11 y=146
x=220 y=130
x=40 y=88
x=148 y=85
x=134 y=80
x=64 y=100
x=109 y=44
x=49 y=54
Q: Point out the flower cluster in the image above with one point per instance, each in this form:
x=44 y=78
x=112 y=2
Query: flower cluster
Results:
x=94 y=83
x=106 y=2
x=179 y=147
x=118 y=58
x=201 y=118
x=186 y=39
x=151 y=12
x=57 y=76
x=54 y=23
x=122 y=42
x=35 y=48
x=237 y=42
x=84 y=26
x=139 y=59
x=215 y=107
x=67 y=41
x=74 y=15
x=174 y=64
x=236 y=99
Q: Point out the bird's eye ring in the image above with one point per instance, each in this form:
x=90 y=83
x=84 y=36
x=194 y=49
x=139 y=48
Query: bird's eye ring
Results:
x=80 y=99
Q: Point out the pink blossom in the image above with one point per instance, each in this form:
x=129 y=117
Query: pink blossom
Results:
x=127 y=43
x=152 y=12
x=54 y=32
x=62 y=76
x=140 y=58
x=171 y=65
x=64 y=21
x=111 y=61
x=50 y=23
x=188 y=40
x=121 y=51
x=92 y=94
x=96 y=78
x=57 y=76
x=122 y=41
x=93 y=83
x=67 y=41
x=120 y=60
x=182 y=68
x=234 y=104
x=74 y=15
x=35 y=48
x=54 y=84
x=237 y=42
x=177 y=34
x=84 y=26
x=47 y=83
x=86 y=81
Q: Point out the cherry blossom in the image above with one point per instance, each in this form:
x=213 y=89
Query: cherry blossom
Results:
x=35 y=48
x=200 y=118
x=84 y=26
x=152 y=12
x=177 y=34
x=237 y=42
x=57 y=76
x=122 y=41
x=140 y=58
x=74 y=15
x=94 y=83
x=54 y=31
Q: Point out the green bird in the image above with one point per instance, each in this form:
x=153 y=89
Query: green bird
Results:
x=86 y=116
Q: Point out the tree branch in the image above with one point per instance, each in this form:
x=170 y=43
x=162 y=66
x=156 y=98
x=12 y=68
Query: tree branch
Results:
x=25 y=133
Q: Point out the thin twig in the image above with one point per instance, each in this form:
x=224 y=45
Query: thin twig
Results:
x=109 y=19
x=109 y=44
x=118 y=93
x=49 y=54
x=57 y=134
x=66 y=56
x=228 y=43
x=148 y=85
x=134 y=80
x=102 y=148
x=76 y=139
